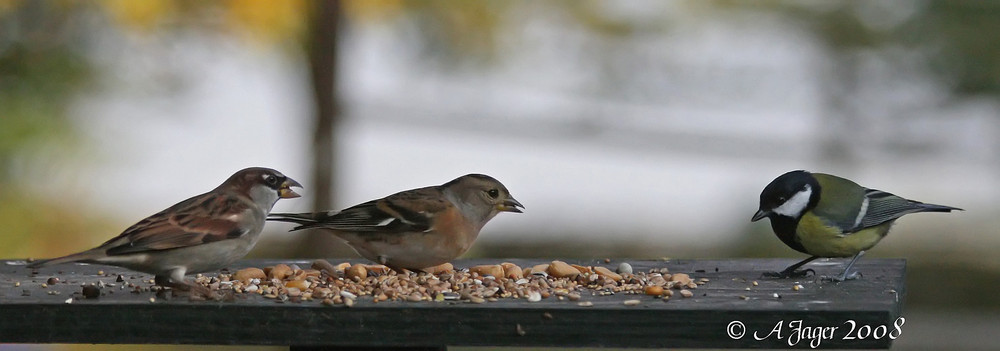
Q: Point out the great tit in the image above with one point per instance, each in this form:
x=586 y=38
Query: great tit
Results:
x=827 y=216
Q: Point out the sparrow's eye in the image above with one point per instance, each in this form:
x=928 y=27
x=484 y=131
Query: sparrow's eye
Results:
x=271 y=180
x=493 y=193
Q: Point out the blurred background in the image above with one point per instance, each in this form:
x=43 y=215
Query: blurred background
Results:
x=638 y=129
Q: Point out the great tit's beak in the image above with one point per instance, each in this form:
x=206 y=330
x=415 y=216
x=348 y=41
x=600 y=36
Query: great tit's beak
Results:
x=285 y=191
x=759 y=215
x=510 y=205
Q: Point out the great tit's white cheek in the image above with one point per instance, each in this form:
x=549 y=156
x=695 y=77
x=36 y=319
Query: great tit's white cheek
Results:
x=794 y=206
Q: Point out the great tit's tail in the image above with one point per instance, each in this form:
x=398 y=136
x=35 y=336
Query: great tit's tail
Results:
x=924 y=207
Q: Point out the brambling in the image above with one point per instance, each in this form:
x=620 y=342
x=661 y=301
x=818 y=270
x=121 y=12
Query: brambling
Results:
x=827 y=216
x=200 y=234
x=419 y=228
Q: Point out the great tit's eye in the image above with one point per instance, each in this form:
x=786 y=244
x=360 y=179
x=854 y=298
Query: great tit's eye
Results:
x=781 y=199
x=271 y=180
x=493 y=193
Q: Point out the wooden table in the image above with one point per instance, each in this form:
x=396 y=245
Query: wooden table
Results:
x=724 y=313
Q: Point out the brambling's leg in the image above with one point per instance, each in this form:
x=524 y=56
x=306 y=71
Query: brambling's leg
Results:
x=791 y=271
x=399 y=270
x=385 y=262
x=847 y=275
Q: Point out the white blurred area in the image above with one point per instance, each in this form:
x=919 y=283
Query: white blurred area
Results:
x=665 y=136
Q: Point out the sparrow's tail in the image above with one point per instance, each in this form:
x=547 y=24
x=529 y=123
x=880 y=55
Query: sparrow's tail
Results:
x=86 y=256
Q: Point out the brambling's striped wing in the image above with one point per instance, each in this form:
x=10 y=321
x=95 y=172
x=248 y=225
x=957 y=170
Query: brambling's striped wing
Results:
x=408 y=211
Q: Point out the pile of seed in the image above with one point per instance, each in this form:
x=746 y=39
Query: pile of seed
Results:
x=345 y=283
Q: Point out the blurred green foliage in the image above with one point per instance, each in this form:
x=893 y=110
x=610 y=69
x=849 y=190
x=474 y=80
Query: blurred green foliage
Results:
x=958 y=40
x=42 y=67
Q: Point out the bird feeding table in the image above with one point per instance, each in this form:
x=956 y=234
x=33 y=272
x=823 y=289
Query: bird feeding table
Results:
x=735 y=308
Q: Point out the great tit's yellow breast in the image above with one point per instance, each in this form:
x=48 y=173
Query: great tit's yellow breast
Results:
x=821 y=239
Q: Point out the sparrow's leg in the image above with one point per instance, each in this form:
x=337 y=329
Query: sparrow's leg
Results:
x=176 y=281
x=791 y=272
x=847 y=275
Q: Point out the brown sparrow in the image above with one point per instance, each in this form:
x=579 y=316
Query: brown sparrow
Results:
x=200 y=234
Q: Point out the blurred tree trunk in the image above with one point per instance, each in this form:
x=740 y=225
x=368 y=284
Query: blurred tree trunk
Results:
x=321 y=46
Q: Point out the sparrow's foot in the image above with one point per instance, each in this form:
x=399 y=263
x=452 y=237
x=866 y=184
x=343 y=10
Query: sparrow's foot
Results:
x=198 y=292
x=785 y=274
x=194 y=291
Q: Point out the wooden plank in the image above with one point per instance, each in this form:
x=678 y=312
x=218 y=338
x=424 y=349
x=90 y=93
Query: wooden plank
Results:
x=29 y=314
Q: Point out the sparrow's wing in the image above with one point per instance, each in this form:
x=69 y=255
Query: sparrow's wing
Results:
x=199 y=220
x=880 y=207
x=408 y=211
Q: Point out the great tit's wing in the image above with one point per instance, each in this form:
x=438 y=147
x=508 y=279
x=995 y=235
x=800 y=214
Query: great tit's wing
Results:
x=841 y=200
x=880 y=207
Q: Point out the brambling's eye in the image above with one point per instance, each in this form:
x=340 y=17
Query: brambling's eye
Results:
x=493 y=193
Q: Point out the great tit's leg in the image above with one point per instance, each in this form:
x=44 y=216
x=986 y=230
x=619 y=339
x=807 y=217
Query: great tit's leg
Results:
x=848 y=275
x=791 y=271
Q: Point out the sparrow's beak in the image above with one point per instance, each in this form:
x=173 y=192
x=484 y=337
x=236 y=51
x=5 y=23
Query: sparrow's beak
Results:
x=760 y=214
x=285 y=191
x=510 y=205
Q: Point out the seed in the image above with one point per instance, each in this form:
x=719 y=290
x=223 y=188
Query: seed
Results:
x=534 y=296
x=686 y=293
x=624 y=268
x=475 y=299
x=357 y=272
x=632 y=302
x=754 y=283
x=152 y=299
x=349 y=302
x=585 y=304
x=17 y=284
x=797 y=287
x=69 y=300
x=91 y=291
x=654 y=290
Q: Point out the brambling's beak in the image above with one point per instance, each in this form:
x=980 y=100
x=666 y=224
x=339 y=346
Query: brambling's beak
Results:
x=759 y=215
x=285 y=191
x=510 y=205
